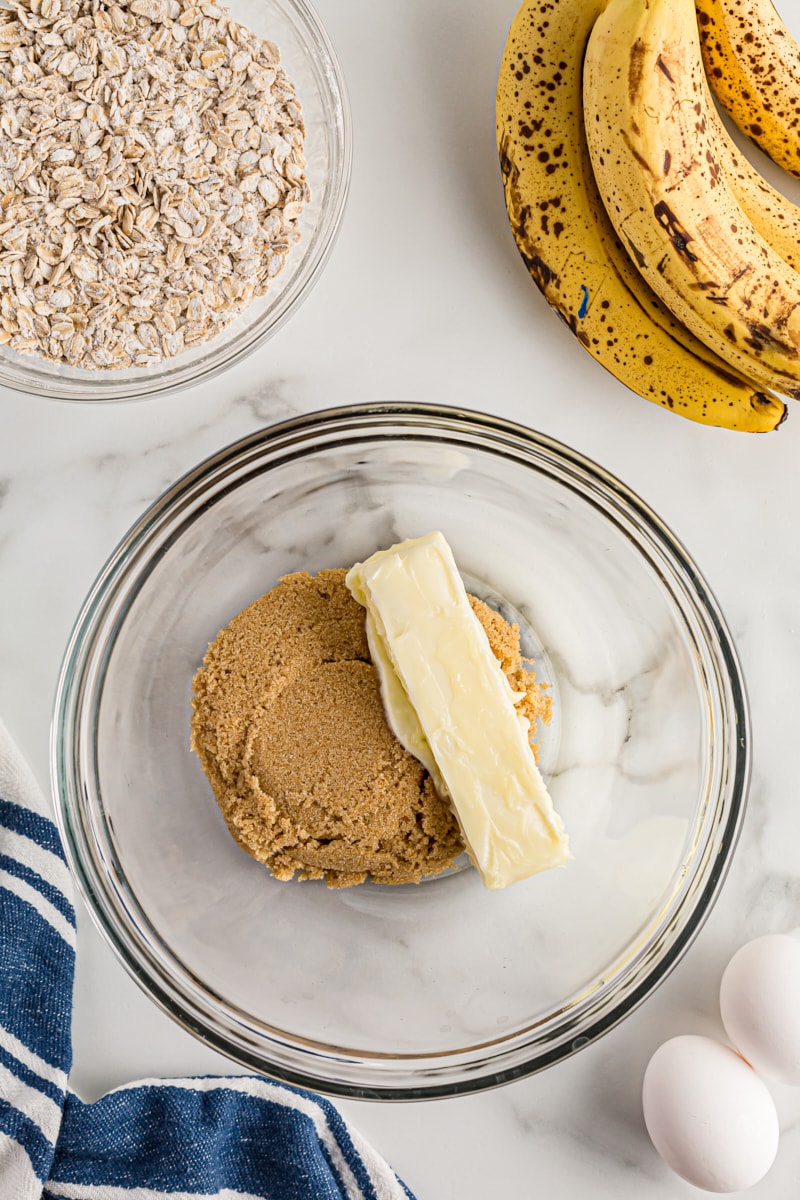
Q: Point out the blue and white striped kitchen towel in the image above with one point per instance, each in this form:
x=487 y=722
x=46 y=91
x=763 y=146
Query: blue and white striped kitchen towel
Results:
x=234 y=1138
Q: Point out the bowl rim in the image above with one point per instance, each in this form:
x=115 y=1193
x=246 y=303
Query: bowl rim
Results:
x=35 y=375
x=305 y=1063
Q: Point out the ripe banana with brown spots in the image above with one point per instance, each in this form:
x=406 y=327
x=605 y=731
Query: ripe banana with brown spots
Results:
x=647 y=114
x=753 y=66
x=775 y=217
x=569 y=245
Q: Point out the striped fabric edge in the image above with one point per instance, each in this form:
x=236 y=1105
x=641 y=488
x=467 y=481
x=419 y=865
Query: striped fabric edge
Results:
x=382 y=1183
x=17 y=816
x=387 y=1185
x=18 y=1180
x=50 y=867
x=50 y=893
x=44 y=1112
x=32 y=867
x=32 y=1089
x=110 y=1191
x=47 y=911
x=25 y=1075
x=39 y=1066
x=38 y=1149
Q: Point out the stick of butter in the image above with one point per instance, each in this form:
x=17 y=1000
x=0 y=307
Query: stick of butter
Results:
x=449 y=703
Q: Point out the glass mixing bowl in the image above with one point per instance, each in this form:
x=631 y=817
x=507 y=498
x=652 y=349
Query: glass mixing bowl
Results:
x=442 y=987
x=309 y=60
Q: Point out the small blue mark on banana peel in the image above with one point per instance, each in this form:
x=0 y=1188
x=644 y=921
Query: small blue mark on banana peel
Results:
x=584 y=304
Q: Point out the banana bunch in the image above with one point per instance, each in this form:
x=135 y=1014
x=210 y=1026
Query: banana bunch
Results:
x=672 y=261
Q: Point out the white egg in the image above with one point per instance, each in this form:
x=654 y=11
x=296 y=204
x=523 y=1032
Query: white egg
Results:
x=709 y=1116
x=759 y=1000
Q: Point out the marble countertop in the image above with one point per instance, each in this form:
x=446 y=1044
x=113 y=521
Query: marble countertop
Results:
x=425 y=299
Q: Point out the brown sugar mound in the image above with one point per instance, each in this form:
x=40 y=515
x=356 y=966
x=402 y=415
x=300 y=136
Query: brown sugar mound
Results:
x=289 y=727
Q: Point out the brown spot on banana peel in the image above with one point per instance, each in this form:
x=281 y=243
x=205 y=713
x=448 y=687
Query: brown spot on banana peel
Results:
x=519 y=212
x=580 y=334
x=763 y=402
x=543 y=277
x=713 y=167
x=643 y=163
x=662 y=66
x=716 y=366
x=538 y=269
x=760 y=336
x=636 y=61
x=740 y=274
x=768 y=111
x=682 y=172
x=519 y=216
x=759 y=401
x=635 y=253
x=678 y=235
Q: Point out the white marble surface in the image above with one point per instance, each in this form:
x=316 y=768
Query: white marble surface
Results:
x=425 y=299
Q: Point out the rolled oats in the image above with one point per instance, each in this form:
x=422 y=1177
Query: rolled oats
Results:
x=152 y=176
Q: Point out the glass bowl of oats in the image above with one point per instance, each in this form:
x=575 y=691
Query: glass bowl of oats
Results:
x=412 y=989
x=173 y=175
